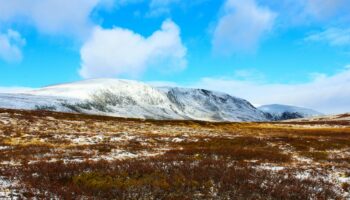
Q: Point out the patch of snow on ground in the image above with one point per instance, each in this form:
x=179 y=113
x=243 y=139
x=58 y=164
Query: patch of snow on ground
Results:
x=4 y=121
x=4 y=148
x=85 y=140
x=344 y=179
x=117 y=154
x=6 y=189
x=340 y=178
x=177 y=140
x=302 y=159
x=10 y=163
x=303 y=175
x=122 y=137
x=95 y=139
x=271 y=168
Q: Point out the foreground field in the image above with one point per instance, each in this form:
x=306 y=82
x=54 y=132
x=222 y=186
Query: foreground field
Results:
x=68 y=156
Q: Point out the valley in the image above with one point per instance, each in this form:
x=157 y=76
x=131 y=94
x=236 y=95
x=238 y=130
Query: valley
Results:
x=47 y=154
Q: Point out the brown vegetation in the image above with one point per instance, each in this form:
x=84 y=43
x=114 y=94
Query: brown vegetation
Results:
x=70 y=156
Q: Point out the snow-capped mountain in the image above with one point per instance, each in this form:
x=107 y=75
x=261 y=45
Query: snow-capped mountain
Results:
x=125 y=98
x=204 y=104
x=278 y=112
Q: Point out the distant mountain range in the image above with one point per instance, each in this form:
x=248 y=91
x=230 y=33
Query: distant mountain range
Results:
x=339 y=119
x=277 y=112
x=132 y=99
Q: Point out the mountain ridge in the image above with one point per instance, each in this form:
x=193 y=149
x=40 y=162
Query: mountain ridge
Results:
x=278 y=112
x=127 y=98
x=134 y=99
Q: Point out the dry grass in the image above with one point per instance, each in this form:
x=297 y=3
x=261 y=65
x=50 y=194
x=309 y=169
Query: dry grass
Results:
x=69 y=156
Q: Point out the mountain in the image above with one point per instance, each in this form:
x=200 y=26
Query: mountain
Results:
x=339 y=119
x=132 y=99
x=205 y=104
x=277 y=112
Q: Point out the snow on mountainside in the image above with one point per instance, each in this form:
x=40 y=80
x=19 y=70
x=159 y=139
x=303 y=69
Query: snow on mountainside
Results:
x=345 y=117
x=284 y=112
x=84 y=89
x=125 y=98
x=203 y=104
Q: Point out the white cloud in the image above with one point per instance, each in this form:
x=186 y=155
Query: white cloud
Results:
x=241 y=27
x=159 y=7
x=328 y=94
x=310 y=12
x=324 y=9
x=51 y=16
x=10 y=46
x=121 y=52
x=333 y=36
x=122 y=2
x=154 y=4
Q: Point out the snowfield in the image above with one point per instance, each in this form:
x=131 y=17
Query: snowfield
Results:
x=125 y=98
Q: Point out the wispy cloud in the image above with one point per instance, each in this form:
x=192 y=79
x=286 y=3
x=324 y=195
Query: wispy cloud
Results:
x=332 y=36
x=159 y=7
x=241 y=27
x=115 y=52
x=11 y=43
x=320 y=13
x=325 y=9
x=51 y=16
x=328 y=94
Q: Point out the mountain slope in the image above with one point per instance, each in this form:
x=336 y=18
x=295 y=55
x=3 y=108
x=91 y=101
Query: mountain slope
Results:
x=339 y=120
x=284 y=112
x=125 y=98
x=204 y=104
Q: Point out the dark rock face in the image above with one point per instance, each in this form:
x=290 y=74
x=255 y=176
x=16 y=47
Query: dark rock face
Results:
x=288 y=115
x=217 y=106
x=277 y=112
x=284 y=116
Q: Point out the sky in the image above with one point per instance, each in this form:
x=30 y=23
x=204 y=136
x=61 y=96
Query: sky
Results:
x=294 y=52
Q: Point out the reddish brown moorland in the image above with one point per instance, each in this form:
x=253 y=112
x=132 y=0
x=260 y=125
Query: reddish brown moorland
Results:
x=70 y=156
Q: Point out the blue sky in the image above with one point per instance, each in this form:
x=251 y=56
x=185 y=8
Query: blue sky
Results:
x=288 y=51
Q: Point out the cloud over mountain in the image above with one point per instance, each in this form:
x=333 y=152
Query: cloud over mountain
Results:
x=117 y=51
x=241 y=27
x=10 y=46
x=325 y=93
x=51 y=16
